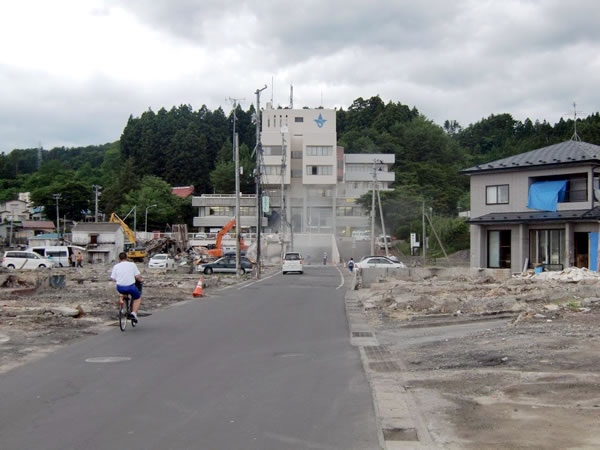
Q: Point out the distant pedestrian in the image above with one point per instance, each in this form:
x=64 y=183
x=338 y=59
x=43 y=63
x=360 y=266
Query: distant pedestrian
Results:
x=73 y=259
x=351 y=265
x=79 y=259
x=325 y=258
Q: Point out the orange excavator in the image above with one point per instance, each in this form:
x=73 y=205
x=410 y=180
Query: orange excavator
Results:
x=217 y=252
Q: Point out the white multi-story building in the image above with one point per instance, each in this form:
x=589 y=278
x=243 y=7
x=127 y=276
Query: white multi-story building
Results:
x=321 y=183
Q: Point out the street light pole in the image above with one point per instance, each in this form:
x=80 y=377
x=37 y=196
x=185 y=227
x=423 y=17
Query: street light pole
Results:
x=146 y=220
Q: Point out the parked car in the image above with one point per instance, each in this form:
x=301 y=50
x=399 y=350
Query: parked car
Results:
x=381 y=240
x=225 y=264
x=25 y=260
x=292 y=262
x=379 y=262
x=59 y=254
x=161 y=261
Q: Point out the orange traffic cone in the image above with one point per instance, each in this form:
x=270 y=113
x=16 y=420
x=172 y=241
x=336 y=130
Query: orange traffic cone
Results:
x=198 y=290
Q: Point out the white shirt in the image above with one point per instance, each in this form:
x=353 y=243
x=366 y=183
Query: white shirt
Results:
x=124 y=273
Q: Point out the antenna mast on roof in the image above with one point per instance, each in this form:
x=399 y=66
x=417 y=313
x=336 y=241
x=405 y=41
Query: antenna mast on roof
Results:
x=575 y=136
x=291 y=96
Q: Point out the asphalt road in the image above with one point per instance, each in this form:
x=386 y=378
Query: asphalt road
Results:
x=267 y=366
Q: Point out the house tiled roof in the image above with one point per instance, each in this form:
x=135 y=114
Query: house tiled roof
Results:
x=568 y=152
x=182 y=191
x=537 y=216
x=97 y=227
x=38 y=225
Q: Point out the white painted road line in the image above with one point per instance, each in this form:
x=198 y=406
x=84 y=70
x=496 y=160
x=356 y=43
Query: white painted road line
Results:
x=341 y=276
x=258 y=281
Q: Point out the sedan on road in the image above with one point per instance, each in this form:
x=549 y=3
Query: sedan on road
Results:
x=161 y=261
x=379 y=262
x=225 y=264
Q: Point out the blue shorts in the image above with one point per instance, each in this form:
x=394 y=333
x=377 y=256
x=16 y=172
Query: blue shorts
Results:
x=131 y=289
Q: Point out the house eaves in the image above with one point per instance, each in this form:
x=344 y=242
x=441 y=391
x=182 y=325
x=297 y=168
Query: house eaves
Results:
x=587 y=215
x=564 y=154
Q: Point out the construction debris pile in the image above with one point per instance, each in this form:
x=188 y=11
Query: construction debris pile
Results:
x=539 y=296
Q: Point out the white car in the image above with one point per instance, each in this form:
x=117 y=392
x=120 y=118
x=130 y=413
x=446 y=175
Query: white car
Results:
x=379 y=262
x=161 y=261
x=381 y=241
x=25 y=260
x=292 y=262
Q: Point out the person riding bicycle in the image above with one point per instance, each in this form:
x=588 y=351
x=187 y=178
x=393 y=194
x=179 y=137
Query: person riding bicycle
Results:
x=126 y=274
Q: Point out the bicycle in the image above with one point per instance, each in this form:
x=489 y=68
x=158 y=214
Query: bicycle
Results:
x=125 y=305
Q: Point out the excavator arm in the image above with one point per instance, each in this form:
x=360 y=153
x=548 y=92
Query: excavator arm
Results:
x=132 y=252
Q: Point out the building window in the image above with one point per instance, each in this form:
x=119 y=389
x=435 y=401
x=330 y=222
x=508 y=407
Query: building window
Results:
x=271 y=170
x=499 y=249
x=319 y=150
x=296 y=155
x=220 y=211
x=320 y=193
x=298 y=119
x=349 y=211
x=273 y=150
x=319 y=170
x=547 y=247
x=247 y=210
x=496 y=195
x=296 y=173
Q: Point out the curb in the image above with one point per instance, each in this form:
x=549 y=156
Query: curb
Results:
x=399 y=423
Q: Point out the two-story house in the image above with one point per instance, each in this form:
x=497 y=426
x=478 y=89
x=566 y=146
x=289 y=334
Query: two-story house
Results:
x=103 y=241
x=539 y=207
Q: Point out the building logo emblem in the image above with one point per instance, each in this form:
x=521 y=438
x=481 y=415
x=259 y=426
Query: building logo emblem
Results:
x=320 y=121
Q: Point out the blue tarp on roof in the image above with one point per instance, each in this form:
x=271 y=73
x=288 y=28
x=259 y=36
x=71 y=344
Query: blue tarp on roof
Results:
x=544 y=195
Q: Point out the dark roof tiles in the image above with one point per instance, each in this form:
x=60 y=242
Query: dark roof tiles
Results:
x=564 y=151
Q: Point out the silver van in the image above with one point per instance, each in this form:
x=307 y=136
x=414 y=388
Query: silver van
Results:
x=18 y=260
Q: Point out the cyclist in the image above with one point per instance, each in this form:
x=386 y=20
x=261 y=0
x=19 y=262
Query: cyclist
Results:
x=126 y=274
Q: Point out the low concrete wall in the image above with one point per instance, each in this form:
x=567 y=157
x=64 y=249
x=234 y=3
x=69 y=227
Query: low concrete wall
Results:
x=373 y=275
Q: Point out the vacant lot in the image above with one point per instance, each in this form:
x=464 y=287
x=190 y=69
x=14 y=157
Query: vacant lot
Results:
x=513 y=364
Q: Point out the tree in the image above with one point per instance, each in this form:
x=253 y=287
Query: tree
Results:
x=154 y=191
x=74 y=203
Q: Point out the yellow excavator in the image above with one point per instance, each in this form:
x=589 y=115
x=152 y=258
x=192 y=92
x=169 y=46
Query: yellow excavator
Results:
x=133 y=253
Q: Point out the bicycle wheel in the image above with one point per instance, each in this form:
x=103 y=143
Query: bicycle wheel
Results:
x=123 y=315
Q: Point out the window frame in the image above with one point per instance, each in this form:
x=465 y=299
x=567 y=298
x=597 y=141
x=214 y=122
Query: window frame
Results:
x=497 y=202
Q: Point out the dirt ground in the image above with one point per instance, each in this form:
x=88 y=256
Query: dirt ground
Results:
x=36 y=318
x=513 y=364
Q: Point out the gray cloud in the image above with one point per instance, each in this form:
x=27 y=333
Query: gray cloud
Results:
x=460 y=60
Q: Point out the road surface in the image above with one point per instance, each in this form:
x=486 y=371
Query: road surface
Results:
x=265 y=366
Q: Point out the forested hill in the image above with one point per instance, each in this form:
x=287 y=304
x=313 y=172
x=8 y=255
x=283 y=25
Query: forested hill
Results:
x=181 y=146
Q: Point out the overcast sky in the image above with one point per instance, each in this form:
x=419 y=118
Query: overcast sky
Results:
x=72 y=71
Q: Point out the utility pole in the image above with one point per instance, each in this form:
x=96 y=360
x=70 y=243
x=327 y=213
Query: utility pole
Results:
x=424 y=239
x=387 y=253
x=57 y=197
x=258 y=181
x=97 y=193
x=282 y=214
x=12 y=221
x=373 y=208
x=236 y=158
x=238 y=224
